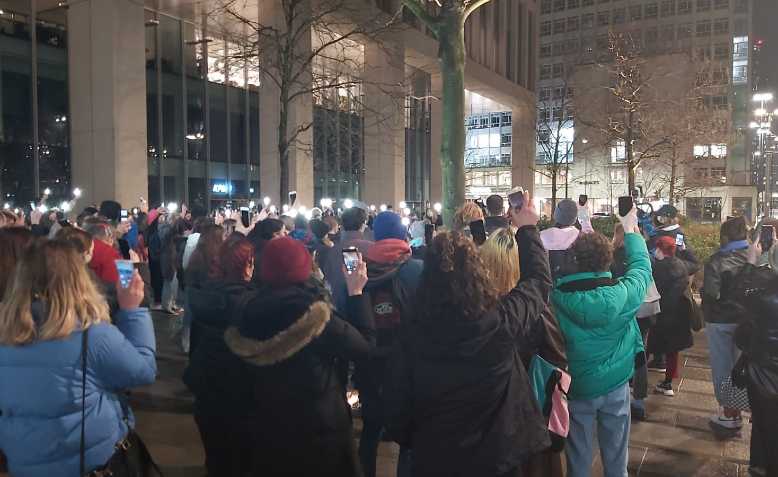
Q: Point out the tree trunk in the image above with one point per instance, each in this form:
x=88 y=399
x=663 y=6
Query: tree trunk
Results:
x=554 y=181
x=283 y=149
x=630 y=154
x=673 y=175
x=452 y=151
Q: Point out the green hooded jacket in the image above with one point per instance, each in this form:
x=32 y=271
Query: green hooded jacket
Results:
x=597 y=316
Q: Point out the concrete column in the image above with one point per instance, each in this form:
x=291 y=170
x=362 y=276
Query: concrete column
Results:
x=436 y=133
x=384 y=76
x=107 y=86
x=523 y=148
x=300 y=114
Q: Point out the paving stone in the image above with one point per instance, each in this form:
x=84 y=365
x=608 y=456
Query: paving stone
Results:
x=698 y=362
x=695 y=386
x=662 y=463
x=661 y=436
x=702 y=374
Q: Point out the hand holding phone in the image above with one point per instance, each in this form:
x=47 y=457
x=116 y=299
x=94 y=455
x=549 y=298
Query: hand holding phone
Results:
x=131 y=296
x=628 y=215
x=355 y=271
x=429 y=233
x=526 y=214
x=679 y=241
x=516 y=199
x=244 y=216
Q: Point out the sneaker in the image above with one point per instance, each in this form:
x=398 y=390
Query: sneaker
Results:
x=665 y=388
x=657 y=365
x=720 y=422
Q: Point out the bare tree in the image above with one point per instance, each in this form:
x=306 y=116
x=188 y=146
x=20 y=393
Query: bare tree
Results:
x=689 y=120
x=446 y=20
x=308 y=48
x=631 y=111
x=555 y=128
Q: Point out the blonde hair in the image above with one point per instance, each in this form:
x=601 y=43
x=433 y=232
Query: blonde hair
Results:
x=470 y=212
x=500 y=256
x=54 y=273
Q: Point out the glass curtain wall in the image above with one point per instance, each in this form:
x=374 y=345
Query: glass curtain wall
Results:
x=203 y=115
x=338 y=122
x=34 y=135
x=417 y=137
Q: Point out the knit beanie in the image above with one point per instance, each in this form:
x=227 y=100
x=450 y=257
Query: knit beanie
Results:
x=566 y=213
x=388 y=225
x=285 y=262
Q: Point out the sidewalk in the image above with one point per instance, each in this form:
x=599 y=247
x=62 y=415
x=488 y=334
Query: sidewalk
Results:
x=674 y=441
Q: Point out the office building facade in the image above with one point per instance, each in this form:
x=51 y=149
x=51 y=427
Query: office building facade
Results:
x=126 y=99
x=574 y=34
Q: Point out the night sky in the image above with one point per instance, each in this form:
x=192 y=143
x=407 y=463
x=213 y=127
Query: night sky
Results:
x=766 y=28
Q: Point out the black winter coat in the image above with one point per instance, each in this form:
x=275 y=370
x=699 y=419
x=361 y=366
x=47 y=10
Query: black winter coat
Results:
x=720 y=271
x=281 y=382
x=672 y=331
x=757 y=334
x=686 y=253
x=457 y=392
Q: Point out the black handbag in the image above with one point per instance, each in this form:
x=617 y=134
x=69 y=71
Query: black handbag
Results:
x=131 y=457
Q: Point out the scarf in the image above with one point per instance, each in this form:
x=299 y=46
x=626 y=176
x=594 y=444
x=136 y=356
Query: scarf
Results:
x=736 y=245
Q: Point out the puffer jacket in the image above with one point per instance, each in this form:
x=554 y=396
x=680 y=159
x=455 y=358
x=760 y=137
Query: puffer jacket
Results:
x=40 y=413
x=278 y=381
x=597 y=317
x=456 y=389
x=720 y=270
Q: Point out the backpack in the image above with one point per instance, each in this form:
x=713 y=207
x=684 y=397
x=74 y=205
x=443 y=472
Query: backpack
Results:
x=747 y=282
x=550 y=385
x=562 y=263
x=387 y=311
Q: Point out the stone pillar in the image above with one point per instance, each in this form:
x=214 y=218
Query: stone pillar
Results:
x=107 y=83
x=384 y=76
x=436 y=133
x=523 y=149
x=300 y=114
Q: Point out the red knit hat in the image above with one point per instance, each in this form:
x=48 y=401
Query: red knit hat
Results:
x=667 y=245
x=285 y=262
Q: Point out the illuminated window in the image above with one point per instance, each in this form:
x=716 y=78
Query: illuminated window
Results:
x=619 y=151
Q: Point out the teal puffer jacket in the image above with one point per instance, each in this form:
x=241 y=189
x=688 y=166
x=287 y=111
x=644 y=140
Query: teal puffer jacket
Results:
x=597 y=317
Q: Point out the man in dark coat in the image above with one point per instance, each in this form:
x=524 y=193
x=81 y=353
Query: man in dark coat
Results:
x=496 y=220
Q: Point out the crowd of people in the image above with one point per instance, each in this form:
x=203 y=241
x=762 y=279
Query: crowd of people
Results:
x=500 y=357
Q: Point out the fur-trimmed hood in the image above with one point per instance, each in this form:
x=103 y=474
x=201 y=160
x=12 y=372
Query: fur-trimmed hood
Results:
x=285 y=343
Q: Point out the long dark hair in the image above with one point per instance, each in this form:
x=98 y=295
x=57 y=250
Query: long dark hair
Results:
x=205 y=255
x=455 y=283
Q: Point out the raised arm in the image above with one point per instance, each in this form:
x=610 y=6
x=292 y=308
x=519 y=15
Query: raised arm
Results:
x=124 y=356
x=522 y=308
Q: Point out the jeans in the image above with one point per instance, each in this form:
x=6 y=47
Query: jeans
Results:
x=611 y=413
x=170 y=293
x=723 y=353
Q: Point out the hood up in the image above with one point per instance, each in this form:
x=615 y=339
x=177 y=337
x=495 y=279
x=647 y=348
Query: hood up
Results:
x=285 y=343
x=559 y=239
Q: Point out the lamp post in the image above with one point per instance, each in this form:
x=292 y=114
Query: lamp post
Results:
x=762 y=126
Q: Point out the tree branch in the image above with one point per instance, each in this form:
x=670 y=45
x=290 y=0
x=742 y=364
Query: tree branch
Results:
x=422 y=14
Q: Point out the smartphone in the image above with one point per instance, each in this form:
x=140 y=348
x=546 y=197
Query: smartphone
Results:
x=429 y=232
x=478 y=231
x=292 y=198
x=244 y=216
x=679 y=241
x=126 y=270
x=351 y=259
x=626 y=203
x=766 y=237
x=124 y=213
x=583 y=199
x=516 y=199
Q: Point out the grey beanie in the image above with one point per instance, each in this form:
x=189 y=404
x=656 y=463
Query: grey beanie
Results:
x=566 y=213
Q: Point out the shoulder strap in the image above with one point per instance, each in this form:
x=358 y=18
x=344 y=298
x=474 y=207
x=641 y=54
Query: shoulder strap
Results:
x=84 y=342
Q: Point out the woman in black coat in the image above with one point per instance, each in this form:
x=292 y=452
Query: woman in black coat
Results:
x=271 y=394
x=457 y=392
x=672 y=332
